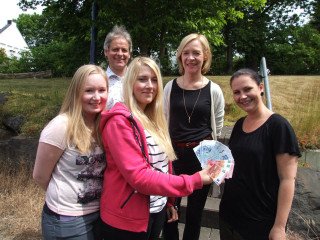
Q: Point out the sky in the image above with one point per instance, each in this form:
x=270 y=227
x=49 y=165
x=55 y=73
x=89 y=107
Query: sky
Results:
x=10 y=10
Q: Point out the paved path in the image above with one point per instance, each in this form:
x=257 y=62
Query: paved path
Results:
x=212 y=205
x=205 y=234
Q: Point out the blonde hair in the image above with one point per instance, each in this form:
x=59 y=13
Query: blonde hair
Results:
x=152 y=118
x=205 y=47
x=78 y=133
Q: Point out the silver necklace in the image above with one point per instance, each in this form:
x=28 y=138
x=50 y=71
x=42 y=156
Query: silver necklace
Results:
x=184 y=100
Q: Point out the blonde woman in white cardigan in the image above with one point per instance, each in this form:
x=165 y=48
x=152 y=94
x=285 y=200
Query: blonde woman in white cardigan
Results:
x=194 y=108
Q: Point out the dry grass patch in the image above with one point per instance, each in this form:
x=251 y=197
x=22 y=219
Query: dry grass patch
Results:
x=299 y=102
x=297 y=98
x=21 y=204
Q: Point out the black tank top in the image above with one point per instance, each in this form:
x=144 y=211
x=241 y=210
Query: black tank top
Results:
x=200 y=124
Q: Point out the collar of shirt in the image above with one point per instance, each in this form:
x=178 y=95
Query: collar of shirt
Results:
x=113 y=78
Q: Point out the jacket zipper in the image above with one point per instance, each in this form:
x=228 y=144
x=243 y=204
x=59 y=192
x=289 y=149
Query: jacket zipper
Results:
x=128 y=198
x=135 y=130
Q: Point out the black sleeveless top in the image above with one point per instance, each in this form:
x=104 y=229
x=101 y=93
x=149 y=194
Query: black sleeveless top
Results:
x=200 y=121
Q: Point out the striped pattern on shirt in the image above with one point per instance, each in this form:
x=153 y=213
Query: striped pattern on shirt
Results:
x=159 y=162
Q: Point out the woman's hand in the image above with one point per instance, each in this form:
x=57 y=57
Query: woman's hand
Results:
x=277 y=233
x=172 y=214
x=205 y=175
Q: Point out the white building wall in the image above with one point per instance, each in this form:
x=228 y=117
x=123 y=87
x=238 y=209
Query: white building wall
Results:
x=12 y=41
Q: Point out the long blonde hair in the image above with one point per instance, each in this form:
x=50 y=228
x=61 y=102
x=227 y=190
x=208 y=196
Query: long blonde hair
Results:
x=152 y=118
x=78 y=133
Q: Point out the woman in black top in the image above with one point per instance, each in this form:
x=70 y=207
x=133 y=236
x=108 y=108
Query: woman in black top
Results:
x=256 y=201
x=194 y=108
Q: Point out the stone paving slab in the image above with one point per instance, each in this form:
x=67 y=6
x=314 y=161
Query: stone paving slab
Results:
x=210 y=215
x=211 y=203
x=205 y=234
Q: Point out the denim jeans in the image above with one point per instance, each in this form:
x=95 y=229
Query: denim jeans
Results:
x=56 y=226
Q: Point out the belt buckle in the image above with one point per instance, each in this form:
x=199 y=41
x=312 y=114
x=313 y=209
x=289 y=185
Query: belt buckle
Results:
x=188 y=144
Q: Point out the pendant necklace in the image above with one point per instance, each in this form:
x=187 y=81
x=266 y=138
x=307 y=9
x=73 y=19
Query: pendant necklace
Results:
x=184 y=100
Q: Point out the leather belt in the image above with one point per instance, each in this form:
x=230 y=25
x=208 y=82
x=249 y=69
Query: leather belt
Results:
x=190 y=144
x=48 y=211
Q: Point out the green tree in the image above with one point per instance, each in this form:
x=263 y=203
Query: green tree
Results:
x=156 y=26
x=248 y=37
x=315 y=17
x=298 y=53
x=34 y=29
x=59 y=40
x=3 y=55
x=7 y=65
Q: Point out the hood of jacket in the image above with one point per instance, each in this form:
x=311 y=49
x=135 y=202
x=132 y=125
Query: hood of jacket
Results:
x=118 y=109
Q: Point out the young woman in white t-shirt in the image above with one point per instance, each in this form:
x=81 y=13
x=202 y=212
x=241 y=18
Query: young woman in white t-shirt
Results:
x=70 y=161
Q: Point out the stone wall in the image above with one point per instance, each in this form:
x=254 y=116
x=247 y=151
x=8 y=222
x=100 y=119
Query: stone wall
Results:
x=41 y=74
x=305 y=212
x=311 y=158
x=17 y=149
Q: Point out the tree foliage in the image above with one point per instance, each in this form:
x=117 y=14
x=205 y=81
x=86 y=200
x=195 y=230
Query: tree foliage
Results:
x=156 y=26
x=240 y=31
x=298 y=54
x=33 y=29
x=250 y=36
x=315 y=18
x=3 y=56
x=291 y=47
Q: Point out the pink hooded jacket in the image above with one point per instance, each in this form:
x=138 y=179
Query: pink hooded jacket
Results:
x=129 y=179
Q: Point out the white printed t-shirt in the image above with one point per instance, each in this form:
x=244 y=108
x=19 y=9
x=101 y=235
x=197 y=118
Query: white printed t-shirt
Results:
x=75 y=185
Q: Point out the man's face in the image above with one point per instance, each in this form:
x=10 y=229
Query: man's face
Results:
x=118 y=55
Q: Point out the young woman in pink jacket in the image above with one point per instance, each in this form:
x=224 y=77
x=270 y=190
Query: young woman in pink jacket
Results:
x=138 y=149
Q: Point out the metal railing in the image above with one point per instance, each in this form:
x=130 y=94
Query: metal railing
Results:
x=264 y=71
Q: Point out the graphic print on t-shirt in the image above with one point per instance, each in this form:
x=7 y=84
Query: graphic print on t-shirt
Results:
x=91 y=175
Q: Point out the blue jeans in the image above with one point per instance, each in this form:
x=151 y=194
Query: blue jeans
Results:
x=56 y=227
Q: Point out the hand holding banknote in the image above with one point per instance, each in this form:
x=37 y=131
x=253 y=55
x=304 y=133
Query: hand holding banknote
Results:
x=216 y=158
